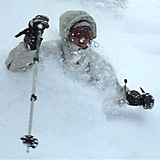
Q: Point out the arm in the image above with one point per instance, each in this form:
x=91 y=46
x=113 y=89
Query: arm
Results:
x=21 y=57
x=102 y=73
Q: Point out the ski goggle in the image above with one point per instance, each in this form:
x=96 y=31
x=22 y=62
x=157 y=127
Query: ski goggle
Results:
x=78 y=33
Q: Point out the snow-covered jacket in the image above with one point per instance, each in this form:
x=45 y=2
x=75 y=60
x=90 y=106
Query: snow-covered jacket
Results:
x=19 y=58
x=83 y=64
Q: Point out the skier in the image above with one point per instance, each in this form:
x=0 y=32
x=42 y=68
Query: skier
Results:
x=74 y=52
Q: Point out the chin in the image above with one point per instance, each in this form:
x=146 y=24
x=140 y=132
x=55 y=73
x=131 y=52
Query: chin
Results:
x=83 y=46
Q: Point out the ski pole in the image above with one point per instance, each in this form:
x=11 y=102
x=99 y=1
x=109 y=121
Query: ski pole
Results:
x=30 y=140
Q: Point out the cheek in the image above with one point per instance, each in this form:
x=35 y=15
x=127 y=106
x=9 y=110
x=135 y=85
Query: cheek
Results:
x=87 y=40
x=75 y=40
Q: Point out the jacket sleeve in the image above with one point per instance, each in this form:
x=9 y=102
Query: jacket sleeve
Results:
x=19 y=58
x=104 y=77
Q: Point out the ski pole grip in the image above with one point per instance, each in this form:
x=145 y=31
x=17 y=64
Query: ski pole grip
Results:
x=38 y=43
x=125 y=81
x=125 y=88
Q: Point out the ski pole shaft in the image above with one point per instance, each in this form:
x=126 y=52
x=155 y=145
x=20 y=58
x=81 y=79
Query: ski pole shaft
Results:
x=33 y=96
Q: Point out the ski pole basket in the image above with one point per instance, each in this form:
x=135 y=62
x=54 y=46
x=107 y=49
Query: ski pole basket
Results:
x=30 y=141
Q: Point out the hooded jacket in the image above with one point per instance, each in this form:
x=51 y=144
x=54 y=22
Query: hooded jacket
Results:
x=83 y=64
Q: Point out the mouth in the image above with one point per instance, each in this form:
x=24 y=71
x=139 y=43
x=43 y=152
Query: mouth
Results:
x=83 y=45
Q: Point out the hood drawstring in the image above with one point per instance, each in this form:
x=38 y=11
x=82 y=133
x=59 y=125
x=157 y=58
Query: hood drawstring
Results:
x=96 y=44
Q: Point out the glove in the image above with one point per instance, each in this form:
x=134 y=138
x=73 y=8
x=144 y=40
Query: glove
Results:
x=147 y=101
x=134 y=98
x=40 y=22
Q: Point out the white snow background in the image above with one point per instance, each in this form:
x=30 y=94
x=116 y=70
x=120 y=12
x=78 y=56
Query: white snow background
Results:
x=71 y=120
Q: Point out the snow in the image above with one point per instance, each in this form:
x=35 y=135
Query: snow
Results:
x=72 y=120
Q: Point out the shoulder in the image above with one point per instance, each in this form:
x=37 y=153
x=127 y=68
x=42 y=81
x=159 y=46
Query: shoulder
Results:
x=50 y=44
x=51 y=47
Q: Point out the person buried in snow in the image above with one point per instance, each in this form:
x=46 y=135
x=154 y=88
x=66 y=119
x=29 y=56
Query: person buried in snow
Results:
x=74 y=52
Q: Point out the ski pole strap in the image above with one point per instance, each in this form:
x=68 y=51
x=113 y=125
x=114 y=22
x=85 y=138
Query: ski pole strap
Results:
x=25 y=31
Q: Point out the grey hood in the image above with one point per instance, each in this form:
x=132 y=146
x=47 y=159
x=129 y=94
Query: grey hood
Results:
x=69 y=18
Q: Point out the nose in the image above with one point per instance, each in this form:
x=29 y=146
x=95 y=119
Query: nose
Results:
x=82 y=39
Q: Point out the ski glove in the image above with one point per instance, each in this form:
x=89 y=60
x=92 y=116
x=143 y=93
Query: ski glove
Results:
x=135 y=98
x=40 y=22
x=147 y=101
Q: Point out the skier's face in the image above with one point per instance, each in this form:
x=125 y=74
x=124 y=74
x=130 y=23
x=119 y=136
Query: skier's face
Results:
x=80 y=37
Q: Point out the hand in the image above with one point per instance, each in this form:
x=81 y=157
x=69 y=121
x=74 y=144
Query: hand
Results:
x=40 y=22
x=134 y=98
x=147 y=101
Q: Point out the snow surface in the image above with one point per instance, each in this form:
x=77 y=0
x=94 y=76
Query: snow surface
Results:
x=72 y=120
